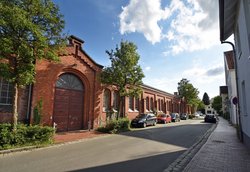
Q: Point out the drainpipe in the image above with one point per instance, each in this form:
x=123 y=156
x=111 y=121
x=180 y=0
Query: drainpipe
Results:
x=237 y=87
x=28 y=114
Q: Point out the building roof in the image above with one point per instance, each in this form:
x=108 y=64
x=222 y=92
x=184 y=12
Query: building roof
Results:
x=227 y=15
x=223 y=90
x=157 y=90
x=229 y=59
x=80 y=42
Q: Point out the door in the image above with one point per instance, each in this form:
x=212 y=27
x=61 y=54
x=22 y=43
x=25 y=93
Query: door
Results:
x=68 y=103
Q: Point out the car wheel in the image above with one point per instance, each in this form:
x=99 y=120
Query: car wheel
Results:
x=144 y=125
x=154 y=124
x=164 y=122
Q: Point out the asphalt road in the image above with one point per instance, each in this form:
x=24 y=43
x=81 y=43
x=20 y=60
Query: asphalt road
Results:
x=149 y=150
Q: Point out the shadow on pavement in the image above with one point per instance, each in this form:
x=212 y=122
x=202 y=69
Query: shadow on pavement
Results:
x=146 y=164
x=171 y=134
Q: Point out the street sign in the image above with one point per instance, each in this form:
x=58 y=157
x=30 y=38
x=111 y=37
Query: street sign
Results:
x=235 y=100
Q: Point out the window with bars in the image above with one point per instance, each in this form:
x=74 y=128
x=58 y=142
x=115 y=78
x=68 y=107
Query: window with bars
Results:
x=6 y=92
x=69 y=81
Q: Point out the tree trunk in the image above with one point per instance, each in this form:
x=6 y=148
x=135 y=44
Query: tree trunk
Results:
x=14 y=107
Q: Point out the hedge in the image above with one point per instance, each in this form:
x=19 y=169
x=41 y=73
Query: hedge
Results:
x=24 y=135
x=115 y=126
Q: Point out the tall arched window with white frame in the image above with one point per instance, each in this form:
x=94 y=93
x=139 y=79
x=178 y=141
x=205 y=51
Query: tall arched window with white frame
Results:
x=115 y=100
x=106 y=100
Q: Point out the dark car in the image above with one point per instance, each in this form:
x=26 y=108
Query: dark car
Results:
x=144 y=120
x=163 y=118
x=210 y=118
x=175 y=117
x=184 y=116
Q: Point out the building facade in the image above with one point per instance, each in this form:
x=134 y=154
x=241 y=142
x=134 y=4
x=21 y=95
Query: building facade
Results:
x=231 y=85
x=74 y=99
x=235 y=19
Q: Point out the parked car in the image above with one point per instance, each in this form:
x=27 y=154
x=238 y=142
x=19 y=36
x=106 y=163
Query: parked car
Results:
x=210 y=118
x=184 y=116
x=175 y=117
x=143 y=120
x=164 y=118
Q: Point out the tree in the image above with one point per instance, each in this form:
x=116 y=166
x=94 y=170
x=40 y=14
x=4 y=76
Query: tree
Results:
x=217 y=104
x=205 y=99
x=186 y=90
x=29 y=30
x=124 y=72
x=201 y=107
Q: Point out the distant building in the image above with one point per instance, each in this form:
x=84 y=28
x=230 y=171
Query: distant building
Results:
x=209 y=109
x=235 y=20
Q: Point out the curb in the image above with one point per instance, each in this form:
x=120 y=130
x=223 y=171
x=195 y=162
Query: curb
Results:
x=181 y=162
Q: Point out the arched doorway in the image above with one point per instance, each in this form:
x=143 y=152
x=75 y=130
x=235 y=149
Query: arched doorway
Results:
x=68 y=103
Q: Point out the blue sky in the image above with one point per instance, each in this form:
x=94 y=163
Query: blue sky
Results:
x=175 y=39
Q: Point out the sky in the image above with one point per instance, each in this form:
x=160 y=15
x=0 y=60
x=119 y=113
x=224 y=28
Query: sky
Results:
x=175 y=38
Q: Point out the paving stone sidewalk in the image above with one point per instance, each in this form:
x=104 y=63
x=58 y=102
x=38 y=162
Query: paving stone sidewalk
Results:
x=223 y=152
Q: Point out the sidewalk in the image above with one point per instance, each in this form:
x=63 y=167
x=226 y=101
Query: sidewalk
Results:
x=223 y=152
x=64 y=137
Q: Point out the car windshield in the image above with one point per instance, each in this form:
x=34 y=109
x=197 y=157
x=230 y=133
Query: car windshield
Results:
x=173 y=115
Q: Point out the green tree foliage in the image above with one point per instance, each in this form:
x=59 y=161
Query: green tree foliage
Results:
x=217 y=104
x=187 y=90
x=29 y=30
x=205 y=99
x=125 y=72
x=201 y=106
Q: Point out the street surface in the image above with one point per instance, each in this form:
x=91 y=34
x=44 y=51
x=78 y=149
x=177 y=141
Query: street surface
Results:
x=149 y=150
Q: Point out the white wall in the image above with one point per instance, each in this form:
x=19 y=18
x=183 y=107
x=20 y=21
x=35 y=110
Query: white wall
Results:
x=243 y=62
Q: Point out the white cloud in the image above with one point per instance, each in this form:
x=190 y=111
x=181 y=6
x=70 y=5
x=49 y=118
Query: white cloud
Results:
x=142 y=16
x=205 y=78
x=194 y=23
x=194 y=26
x=148 y=68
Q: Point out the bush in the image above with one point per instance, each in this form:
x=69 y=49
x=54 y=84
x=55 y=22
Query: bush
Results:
x=24 y=135
x=191 y=116
x=115 y=126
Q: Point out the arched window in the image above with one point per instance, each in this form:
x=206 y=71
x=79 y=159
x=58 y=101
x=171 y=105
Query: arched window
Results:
x=162 y=105
x=131 y=103
x=151 y=104
x=106 y=100
x=159 y=104
x=137 y=101
x=6 y=92
x=115 y=100
x=147 y=103
x=69 y=81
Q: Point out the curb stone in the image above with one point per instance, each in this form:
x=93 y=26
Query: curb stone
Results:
x=180 y=163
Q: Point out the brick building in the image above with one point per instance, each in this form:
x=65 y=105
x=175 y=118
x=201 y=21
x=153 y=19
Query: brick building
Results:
x=74 y=99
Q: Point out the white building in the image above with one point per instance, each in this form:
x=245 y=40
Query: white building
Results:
x=235 y=19
x=231 y=85
x=209 y=109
